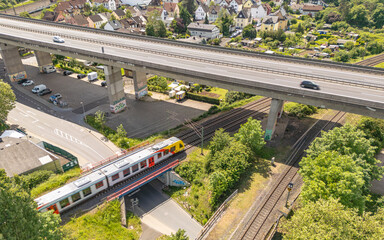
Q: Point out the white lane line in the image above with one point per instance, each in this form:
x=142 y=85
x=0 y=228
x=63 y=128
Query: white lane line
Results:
x=14 y=119
x=40 y=127
x=31 y=113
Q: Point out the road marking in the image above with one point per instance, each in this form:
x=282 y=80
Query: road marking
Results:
x=68 y=137
x=31 y=113
x=40 y=127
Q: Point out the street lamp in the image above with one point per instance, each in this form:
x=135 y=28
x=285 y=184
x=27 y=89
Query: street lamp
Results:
x=83 y=111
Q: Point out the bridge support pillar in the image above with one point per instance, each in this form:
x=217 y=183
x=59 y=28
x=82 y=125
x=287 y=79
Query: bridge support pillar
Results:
x=171 y=178
x=12 y=60
x=140 y=82
x=274 y=113
x=116 y=93
x=43 y=59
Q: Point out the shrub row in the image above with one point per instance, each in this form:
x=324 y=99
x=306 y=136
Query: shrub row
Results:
x=202 y=98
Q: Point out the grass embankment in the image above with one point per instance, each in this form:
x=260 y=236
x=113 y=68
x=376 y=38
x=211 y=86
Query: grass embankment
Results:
x=55 y=181
x=105 y=223
x=380 y=65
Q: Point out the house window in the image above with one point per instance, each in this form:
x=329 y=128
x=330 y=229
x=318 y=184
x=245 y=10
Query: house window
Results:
x=135 y=168
x=64 y=203
x=126 y=172
x=87 y=191
x=173 y=149
x=159 y=155
x=76 y=197
x=99 y=184
x=114 y=177
x=143 y=164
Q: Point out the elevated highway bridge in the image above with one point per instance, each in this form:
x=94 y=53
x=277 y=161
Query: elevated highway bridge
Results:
x=345 y=87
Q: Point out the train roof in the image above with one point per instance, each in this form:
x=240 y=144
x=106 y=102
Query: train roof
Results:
x=70 y=189
x=137 y=157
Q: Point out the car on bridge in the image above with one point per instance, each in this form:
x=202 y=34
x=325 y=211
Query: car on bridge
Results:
x=58 y=39
x=28 y=83
x=309 y=84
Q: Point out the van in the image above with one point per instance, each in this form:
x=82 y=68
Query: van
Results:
x=92 y=76
x=39 y=88
x=49 y=69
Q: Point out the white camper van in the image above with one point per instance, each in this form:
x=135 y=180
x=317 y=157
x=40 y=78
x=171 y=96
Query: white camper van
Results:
x=39 y=88
x=49 y=69
x=92 y=76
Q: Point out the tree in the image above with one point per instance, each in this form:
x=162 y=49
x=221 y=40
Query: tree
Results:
x=219 y=141
x=374 y=130
x=179 y=235
x=249 y=31
x=251 y=135
x=121 y=133
x=378 y=16
x=206 y=21
x=349 y=45
x=100 y=117
x=128 y=13
x=25 y=15
x=7 y=100
x=19 y=218
x=161 y=30
x=300 y=28
x=331 y=175
x=189 y=5
x=150 y=29
x=186 y=16
x=328 y=219
x=358 y=16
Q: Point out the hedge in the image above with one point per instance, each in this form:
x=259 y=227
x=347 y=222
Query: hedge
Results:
x=202 y=98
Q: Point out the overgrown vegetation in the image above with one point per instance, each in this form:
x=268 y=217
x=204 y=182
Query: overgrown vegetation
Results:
x=103 y=224
x=299 y=110
x=158 y=84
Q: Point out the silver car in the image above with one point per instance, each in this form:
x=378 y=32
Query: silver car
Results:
x=58 y=39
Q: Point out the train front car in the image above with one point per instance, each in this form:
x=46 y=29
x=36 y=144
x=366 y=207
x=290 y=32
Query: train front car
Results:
x=167 y=148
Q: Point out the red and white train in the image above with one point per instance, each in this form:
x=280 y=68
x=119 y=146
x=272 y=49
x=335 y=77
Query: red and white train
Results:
x=78 y=191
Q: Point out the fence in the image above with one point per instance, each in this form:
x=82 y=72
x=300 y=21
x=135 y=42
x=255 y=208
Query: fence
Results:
x=112 y=158
x=73 y=160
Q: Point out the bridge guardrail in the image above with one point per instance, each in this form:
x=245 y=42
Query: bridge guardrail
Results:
x=317 y=62
x=226 y=63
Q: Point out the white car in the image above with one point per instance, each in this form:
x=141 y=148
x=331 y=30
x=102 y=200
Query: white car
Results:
x=28 y=83
x=58 y=39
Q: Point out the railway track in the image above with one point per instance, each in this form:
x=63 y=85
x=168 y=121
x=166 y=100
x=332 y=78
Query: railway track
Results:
x=371 y=62
x=257 y=226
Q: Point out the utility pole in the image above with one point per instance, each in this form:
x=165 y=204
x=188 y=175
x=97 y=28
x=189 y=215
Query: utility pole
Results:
x=195 y=127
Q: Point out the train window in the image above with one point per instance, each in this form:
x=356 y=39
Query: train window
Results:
x=135 y=167
x=181 y=145
x=99 y=184
x=158 y=155
x=114 y=177
x=173 y=149
x=87 y=191
x=166 y=152
x=143 y=164
x=126 y=172
x=76 y=197
x=64 y=203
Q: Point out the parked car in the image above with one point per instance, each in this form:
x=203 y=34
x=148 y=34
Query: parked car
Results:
x=67 y=72
x=88 y=63
x=45 y=92
x=39 y=88
x=104 y=83
x=55 y=96
x=80 y=76
x=309 y=84
x=100 y=67
x=58 y=39
x=22 y=81
x=29 y=82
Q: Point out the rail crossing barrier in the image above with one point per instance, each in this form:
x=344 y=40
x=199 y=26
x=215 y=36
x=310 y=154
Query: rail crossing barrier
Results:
x=142 y=181
x=204 y=47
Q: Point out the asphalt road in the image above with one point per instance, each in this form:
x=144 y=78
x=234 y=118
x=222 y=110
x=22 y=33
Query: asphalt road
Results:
x=248 y=76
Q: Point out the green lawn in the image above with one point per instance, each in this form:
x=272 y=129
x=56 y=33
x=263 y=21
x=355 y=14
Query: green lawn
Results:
x=103 y=224
x=219 y=91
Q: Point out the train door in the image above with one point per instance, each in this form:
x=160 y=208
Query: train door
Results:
x=54 y=208
x=151 y=162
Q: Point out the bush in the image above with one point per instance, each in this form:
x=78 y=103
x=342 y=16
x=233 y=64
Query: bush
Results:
x=202 y=98
x=299 y=110
x=33 y=179
x=233 y=96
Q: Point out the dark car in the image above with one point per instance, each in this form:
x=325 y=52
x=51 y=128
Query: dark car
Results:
x=45 y=91
x=309 y=84
x=22 y=81
x=104 y=83
x=80 y=76
x=66 y=73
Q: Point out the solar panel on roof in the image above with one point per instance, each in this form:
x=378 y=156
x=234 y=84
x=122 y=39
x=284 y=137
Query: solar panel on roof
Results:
x=82 y=182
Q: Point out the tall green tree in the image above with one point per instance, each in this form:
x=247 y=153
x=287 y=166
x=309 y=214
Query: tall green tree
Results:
x=189 y=5
x=249 y=31
x=179 y=235
x=7 y=100
x=251 y=135
x=186 y=16
x=331 y=175
x=358 y=16
x=100 y=117
x=378 y=16
x=329 y=219
x=19 y=218
x=206 y=21
x=120 y=131
x=224 y=23
x=150 y=29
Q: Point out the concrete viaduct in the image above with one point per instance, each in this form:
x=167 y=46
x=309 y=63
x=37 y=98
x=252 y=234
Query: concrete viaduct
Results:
x=344 y=87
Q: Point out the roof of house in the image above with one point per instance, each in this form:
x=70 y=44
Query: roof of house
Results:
x=119 y=12
x=139 y=20
x=204 y=7
x=78 y=3
x=170 y=6
x=201 y=27
x=49 y=16
x=80 y=20
x=132 y=30
x=115 y=24
x=312 y=8
x=270 y=20
x=243 y=14
x=96 y=18
x=63 y=6
x=106 y=15
x=127 y=22
x=214 y=9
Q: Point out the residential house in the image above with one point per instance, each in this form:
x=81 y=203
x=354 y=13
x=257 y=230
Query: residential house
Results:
x=49 y=16
x=260 y=11
x=78 y=6
x=108 y=4
x=64 y=8
x=119 y=14
x=223 y=3
x=235 y=4
x=204 y=30
x=282 y=19
x=170 y=10
x=134 y=11
x=273 y=23
x=213 y=13
x=243 y=18
x=95 y=21
x=250 y=3
x=80 y=20
x=60 y=18
x=113 y=25
x=201 y=12
x=140 y=21
x=311 y=10
x=318 y=2
x=105 y=16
